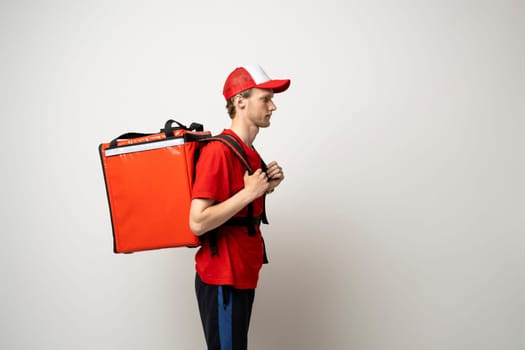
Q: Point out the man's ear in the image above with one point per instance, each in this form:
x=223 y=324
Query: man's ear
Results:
x=240 y=102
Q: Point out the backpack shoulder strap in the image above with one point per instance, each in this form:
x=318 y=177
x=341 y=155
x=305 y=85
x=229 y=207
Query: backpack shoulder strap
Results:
x=235 y=147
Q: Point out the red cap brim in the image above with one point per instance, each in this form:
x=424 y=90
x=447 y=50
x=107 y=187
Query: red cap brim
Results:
x=275 y=85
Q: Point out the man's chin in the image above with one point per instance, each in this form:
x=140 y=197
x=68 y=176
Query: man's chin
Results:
x=265 y=124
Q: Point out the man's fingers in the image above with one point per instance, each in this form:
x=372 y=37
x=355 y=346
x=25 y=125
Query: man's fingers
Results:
x=276 y=172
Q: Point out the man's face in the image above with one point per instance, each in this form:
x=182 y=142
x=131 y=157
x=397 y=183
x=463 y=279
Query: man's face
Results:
x=259 y=107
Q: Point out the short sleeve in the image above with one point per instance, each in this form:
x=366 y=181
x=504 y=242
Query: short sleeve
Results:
x=212 y=173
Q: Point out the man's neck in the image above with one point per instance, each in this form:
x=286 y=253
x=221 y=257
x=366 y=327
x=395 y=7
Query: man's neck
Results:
x=247 y=133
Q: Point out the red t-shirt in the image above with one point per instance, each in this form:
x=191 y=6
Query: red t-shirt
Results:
x=219 y=175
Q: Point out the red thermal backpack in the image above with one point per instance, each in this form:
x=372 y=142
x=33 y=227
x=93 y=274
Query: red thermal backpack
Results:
x=148 y=180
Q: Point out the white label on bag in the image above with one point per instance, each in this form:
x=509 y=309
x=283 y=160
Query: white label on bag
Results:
x=144 y=147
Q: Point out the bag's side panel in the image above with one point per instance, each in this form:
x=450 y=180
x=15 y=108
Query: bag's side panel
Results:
x=102 y=148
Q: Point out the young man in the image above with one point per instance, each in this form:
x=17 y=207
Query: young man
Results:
x=224 y=196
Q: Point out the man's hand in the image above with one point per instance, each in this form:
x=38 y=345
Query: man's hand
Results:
x=275 y=175
x=256 y=184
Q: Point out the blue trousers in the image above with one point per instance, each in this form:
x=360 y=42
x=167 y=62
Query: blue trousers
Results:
x=225 y=314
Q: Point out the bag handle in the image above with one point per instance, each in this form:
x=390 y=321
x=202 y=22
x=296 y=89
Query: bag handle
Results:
x=126 y=136
x=169 y=130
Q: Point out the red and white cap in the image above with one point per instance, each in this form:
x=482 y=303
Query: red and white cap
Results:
x=251 y=76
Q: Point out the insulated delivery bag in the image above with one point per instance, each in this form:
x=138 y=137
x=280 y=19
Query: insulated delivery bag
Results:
x=148 y=179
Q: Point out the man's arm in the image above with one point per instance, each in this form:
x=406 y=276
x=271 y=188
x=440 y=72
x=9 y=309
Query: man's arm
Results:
x=206 y=215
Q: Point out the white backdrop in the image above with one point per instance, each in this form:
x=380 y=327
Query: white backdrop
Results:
x=400 y=224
